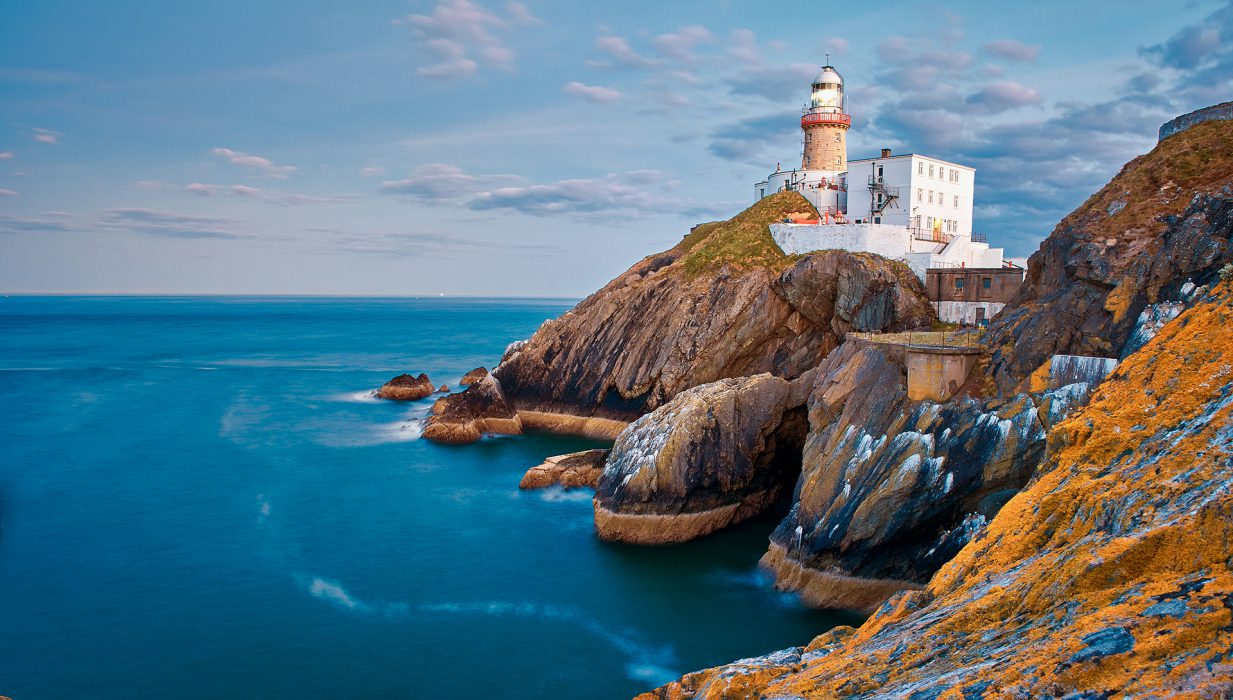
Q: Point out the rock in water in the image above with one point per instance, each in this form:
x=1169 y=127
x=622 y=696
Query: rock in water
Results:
x=473 y=376
x=443 y=389
x=714 y=455
x=405 y=387
x=1108 y=575
x=465 y=417
x=573 y=470
x=1104 y=265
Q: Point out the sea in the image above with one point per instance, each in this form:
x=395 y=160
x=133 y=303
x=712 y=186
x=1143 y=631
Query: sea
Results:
x=200 y=497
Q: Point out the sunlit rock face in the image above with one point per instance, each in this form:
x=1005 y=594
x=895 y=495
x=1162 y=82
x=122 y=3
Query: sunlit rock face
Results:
x=891 y=488
x=1107 y=576
x=714 y=455
x=1157 y=231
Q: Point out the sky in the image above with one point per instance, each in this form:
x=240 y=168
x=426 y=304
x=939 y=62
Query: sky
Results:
x=534 y=148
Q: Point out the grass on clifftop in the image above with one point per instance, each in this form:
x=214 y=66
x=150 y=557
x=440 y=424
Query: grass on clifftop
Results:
x=1199 y=159
x=744 y=241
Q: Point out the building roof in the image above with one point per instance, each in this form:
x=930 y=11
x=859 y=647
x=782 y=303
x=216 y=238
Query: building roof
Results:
x=912 y=155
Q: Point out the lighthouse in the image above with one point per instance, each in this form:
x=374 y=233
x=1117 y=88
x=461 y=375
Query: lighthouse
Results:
x=825 y=124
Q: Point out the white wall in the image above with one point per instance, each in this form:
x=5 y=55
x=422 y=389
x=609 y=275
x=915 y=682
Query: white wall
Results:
x=965 y=311
x=944 y=191
x=808 y=183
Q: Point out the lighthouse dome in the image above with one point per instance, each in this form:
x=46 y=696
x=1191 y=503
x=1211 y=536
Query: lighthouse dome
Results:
x=828 y=76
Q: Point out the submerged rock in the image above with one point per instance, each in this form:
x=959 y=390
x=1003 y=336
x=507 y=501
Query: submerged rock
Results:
x=1108 y=575
x=714 y=455
x=473 y=376
x=406 y=387
x=467 y=416
x=574 y=470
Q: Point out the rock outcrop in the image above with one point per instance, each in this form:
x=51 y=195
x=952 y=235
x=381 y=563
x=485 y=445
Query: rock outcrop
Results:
x=725 y=302
x=891 y=488
x=406 y=387
x=1162 y=223
x=443 y=389
x=1108 y=576
x=713 y=456
x=465 y=417
x=473 y=376
x=574 y=470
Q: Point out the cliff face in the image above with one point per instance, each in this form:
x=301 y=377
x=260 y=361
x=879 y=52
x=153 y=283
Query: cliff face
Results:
x=1108 y=575
x=1164 y=221
x=892 y=488
x=725 y=302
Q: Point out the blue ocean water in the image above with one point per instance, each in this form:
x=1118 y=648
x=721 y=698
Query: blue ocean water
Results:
x=199 y=499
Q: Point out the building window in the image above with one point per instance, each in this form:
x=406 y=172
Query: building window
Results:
x=931 y=170
x=986 y=282
x=958 y=283
x=920 y=194
x=920 y=168
x=931 y=196
x=956 y=201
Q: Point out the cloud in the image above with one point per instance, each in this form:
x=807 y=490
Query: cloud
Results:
x=372 y=171
x=1002 y=96
x=775 y=83
x=47 y=136
x=7 y=193
x=680 y=45
x=635 y=193
x=6 y=155
x=281 y=198
x=440 y=183
x=426 y=245
x=592 y=93
x=17 y=225
x=748 y=140
x=1012 y=50
x=254 y=162
x=617 y=48
x=152 y=222
x=460 y=36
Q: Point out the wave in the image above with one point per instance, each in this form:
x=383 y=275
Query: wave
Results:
x=644 y=662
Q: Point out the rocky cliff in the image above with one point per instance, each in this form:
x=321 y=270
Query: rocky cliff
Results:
x=725 y=302
x=1162 y=223
x=1109 y=575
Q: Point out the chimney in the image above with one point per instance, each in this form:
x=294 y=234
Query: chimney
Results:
x=886 y=152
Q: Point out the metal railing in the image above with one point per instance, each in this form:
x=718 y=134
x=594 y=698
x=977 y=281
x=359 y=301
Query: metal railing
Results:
x=980 y=238
x=928 y=234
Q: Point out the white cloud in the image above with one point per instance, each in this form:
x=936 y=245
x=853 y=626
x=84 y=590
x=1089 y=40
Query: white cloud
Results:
x=618 y=49
x=1012 y=50
x=680 y=45
x=6 y=155
x=441 y=182
x=1002 y=96
x=7 y=193
x=593 y=93
x=460 y=36
x=47 y=136
x=254 y=162
x=372 y=171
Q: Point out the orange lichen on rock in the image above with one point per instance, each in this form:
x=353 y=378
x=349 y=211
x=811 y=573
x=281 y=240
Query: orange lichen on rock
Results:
x=1110 y=574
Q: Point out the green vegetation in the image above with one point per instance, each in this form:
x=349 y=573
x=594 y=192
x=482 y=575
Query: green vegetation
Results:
x=744 y=241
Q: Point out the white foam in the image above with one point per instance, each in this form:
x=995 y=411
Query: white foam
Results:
x=366 y=396
x=556 y=494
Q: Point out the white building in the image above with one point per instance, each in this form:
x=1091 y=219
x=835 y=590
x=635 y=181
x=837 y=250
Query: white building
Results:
x=908 y=207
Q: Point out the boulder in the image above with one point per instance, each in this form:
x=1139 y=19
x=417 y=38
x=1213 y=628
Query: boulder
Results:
x=466 y=416
x=443 y=389
x=473 y=376
x=406 y=387
x=573 y=470
x=714 y=455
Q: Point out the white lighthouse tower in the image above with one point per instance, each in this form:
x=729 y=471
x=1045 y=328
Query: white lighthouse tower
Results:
x=824 y=153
